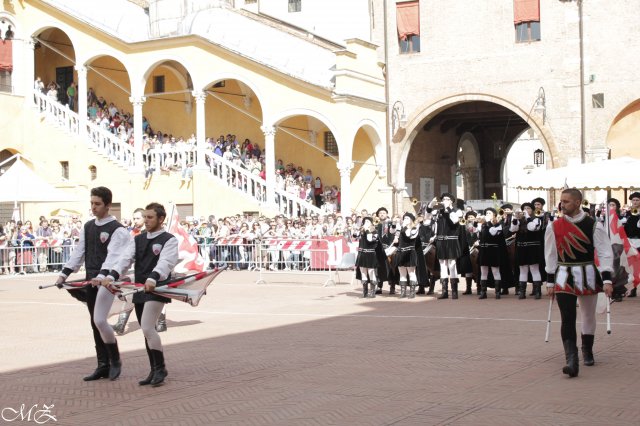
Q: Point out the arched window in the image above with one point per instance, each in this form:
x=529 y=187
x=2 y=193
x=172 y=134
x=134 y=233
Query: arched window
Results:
x=93 y=170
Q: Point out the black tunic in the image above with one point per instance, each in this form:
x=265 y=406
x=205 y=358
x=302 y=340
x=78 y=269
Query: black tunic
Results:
x=367 y=250
x=407 y=254
x=463 y=263
x=493 y=248
x=447 y=242
x=147 y=255
x=96 y=243
x=528 y=246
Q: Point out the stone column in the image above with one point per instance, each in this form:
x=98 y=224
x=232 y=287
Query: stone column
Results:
x=270 y=161
x=137 y=102
x=81 y=90
x=29 y=76
x=345 y=187
x=200 y=98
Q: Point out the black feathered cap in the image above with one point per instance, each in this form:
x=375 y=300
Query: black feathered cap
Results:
x=538 y=200
x=634 y=195
x=382 y=209
x=490 y=209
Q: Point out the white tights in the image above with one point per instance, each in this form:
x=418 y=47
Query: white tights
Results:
x=484 y=272
x=448 y=268
x=535 y=272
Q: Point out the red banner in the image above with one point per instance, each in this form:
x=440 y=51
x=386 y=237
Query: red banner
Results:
x=328 y=252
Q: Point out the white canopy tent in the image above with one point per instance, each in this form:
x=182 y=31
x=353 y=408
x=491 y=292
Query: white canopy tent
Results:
x=20 y=184
x=616 y=174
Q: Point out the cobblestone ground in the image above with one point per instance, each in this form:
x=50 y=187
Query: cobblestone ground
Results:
x=298 y=353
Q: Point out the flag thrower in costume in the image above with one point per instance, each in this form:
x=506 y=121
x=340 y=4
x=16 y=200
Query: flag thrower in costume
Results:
x=189 y=289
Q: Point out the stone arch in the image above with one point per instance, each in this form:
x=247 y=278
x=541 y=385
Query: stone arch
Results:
x=279 y=117
x=429 y=110
x=238 y=77
x=621 y=138
x=141 y=79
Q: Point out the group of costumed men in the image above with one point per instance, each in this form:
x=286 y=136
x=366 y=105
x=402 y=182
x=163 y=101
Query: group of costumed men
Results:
x=108 y=250
x=403 y=253
x=560 y=249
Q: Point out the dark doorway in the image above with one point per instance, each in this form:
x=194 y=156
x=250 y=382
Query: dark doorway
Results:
x=64 y=77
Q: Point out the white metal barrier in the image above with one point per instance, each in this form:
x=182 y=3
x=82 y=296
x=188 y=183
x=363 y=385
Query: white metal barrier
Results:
x=33 y=256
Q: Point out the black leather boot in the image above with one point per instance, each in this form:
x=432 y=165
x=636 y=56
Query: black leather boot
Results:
x=587 y=349
x=372 y=289
x=159 y=372
x=119 y=326
x=161 y=325
x=432 y=285
x=421 y=289
x=403 y=289
x=114 y=360
x=102 y=371
x=412 y=289
x=571 y=354
x=469 y=281
x=365 y=289
x=483 y=289
x=445 y=288
x=152 y=364
x=537 y=290
x=504 y=290
x=498 y=289
x=392 y=289
x=454 y=288
x=633 y=293
x=522 y=293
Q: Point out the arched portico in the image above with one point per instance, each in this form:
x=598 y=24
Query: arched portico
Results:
x=459 y=114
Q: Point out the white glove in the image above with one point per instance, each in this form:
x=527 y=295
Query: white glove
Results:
x=494 y=230
x=623 y=220
x=453 y=216
x=534 y=225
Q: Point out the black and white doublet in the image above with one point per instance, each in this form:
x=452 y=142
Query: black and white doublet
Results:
x=570 y=243
x=529 y=236
x=148 y=251
x=367 y=250
x=493 y=248
x=447 y=235
x=406 y=254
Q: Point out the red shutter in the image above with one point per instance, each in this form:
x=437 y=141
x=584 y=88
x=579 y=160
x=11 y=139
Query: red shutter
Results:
x=526 y=11
x=408 y=19
x=6 y=55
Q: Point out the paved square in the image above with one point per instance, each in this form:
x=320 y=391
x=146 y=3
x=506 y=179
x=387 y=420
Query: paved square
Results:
x=302 y=354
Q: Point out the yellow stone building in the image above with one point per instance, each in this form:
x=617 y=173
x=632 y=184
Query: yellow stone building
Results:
x=208 y=70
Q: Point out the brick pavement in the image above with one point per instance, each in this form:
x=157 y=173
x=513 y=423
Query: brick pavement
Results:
x=301 y=354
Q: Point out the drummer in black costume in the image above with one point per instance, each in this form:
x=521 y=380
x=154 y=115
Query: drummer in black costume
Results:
x=155 y=254
x=367 y=263
x=529 y=253
x=492 y=249
x=407 y=256
x=447 y=244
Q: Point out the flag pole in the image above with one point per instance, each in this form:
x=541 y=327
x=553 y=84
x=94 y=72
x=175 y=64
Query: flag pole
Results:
x=546 y=336
x=173 y=206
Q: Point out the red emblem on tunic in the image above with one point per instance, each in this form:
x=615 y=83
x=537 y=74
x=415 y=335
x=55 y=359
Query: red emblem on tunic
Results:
x=104 y=236
x=569 y=239
x=156 y=248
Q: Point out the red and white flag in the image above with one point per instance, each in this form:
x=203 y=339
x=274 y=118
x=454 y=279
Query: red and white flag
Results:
x=190 y=258
x=629 y=258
